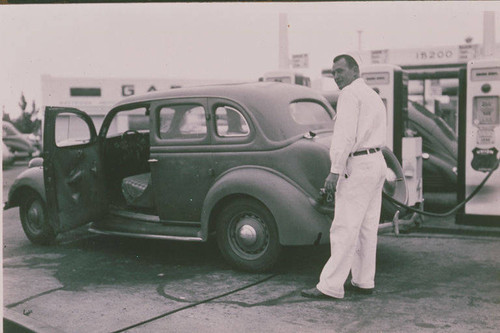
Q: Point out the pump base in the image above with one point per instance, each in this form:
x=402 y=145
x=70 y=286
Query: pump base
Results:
x=478 y=220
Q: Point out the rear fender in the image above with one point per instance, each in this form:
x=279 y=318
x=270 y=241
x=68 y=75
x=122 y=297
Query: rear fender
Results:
x=297 y=221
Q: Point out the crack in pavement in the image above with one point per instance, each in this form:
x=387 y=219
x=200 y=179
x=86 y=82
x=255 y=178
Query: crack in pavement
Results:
x=196 y=303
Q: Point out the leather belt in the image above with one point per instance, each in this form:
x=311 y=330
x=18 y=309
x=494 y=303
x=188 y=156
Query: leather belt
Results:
x=364 y=152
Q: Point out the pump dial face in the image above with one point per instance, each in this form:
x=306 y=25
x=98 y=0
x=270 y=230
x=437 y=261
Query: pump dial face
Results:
x=486 y=110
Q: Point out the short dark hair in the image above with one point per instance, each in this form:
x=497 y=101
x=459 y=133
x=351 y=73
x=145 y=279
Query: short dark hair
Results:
x=348 y=59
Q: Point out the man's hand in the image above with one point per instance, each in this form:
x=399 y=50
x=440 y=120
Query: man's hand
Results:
x=331 y=182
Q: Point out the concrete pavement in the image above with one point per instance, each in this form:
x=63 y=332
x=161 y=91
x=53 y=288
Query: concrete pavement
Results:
x=93 y=283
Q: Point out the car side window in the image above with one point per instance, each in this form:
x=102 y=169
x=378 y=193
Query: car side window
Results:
x=230 y=122
x=71 y=130
x=184 y=121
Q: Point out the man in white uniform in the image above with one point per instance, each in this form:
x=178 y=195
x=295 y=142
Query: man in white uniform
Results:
x=356 y=178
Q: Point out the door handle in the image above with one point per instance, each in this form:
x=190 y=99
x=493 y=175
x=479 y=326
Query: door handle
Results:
x=93 y=169
x=152 y=160
x=74 y=177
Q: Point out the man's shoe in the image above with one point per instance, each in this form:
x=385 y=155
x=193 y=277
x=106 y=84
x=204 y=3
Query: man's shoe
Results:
x=315 y=293
x=358 y=290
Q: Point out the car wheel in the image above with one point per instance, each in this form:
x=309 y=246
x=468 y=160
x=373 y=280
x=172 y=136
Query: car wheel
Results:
x=34 y=220
x=247 y=235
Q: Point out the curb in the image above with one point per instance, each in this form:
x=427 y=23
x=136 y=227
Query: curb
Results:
x=19 y=323
x=459 y=230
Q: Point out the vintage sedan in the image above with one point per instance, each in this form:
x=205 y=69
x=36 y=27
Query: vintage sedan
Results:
x=8 y=157
x=243 y=163
x=19 y=143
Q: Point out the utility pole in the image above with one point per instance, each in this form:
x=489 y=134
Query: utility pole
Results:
x=284 y=60
x=360 y=32
x=488 y=33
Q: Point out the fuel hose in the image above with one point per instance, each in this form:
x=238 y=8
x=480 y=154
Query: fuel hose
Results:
x=452 y=211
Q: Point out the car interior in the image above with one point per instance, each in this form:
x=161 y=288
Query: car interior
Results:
x=125 y=160
x=126 y=150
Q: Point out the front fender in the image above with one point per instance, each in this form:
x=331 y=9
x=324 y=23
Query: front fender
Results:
x=297 y=221
x=29 y=179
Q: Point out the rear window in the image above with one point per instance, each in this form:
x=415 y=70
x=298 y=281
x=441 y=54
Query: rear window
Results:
x=309 y=113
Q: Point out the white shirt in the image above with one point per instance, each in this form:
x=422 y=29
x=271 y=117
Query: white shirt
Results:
x=360 y=123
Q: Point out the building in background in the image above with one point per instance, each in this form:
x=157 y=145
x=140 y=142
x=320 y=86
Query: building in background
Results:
x=433 y=73
x=95 y=96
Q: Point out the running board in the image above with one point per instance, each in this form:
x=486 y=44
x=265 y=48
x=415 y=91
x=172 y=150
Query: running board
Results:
x=133 y=215
x=149 y=236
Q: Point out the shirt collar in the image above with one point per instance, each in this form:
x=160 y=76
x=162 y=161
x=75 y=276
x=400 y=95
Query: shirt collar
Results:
x=355 y=82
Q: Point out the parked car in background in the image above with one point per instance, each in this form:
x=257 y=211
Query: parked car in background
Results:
x=242 y=163
x=440 y=148
x=19 y=143
x=7 y=156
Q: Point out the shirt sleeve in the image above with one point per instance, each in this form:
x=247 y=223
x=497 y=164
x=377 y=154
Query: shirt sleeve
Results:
x=344 y=132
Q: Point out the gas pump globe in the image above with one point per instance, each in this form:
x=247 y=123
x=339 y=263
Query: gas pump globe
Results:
x=479 y=141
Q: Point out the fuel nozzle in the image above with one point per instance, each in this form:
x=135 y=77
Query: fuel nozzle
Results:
x=326 y=197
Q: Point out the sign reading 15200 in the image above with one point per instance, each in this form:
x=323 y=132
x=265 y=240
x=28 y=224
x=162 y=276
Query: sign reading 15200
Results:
x=434 y=54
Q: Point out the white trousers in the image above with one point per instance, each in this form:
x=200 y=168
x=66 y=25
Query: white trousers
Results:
x=353 y=234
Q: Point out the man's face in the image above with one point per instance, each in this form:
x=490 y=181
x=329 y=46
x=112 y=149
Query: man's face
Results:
x=342 y=74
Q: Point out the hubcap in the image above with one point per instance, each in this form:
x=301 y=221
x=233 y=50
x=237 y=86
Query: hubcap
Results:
x=248 y=236
x=34 y=217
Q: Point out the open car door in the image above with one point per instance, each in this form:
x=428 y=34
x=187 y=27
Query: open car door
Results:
x=74 y=181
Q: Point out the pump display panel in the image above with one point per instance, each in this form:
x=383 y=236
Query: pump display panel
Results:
x=376 y=78
x=485 y=74
x=486 y=110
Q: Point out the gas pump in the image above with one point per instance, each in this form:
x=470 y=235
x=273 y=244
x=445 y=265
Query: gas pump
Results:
x=391 y=82
x=479 y=142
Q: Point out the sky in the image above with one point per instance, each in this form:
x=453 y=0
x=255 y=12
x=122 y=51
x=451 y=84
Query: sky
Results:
x=234 y=41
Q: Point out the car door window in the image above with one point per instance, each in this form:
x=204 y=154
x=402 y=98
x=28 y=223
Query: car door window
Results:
x=71 y=130
x=230 y=122
x=136 y=119
x=186 y=121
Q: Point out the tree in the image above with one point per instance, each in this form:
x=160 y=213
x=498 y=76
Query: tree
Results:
x=28 y=121
x=5 y=116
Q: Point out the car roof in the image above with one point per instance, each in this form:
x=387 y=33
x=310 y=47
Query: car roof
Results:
x=10 y=128
x=267 y=101
x=241 y=92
